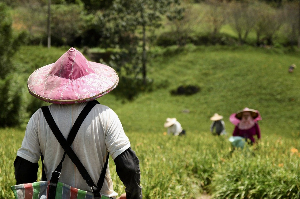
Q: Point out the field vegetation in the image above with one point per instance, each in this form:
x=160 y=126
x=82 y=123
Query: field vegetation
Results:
x=230 y=78
x=236 y=52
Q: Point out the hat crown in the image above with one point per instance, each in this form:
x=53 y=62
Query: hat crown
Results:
x=216 y=117
x=71 y=65
x=72 y=79
x=169 y=122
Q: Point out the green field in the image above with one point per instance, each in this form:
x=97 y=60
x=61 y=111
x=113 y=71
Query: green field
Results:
x=230 y=79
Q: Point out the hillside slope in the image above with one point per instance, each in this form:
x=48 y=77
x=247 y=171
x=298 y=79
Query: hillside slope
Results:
x=230 y=79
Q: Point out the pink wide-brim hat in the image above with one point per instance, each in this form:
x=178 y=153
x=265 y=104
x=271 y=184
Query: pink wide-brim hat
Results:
x=235 y=118
x=72 y=79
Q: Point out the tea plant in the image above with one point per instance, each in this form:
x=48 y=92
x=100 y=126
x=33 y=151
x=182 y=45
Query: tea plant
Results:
x=184 y=167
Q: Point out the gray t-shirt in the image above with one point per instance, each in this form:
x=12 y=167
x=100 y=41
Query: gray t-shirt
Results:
x=100 y=132
x=217 y=127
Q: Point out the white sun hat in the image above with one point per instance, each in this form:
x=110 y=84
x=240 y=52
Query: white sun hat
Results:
x=216 y=117
x=169 y=122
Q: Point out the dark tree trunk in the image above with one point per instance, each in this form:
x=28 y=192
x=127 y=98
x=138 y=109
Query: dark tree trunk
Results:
x=144 y=58
x=48 y=24
x=299 y=25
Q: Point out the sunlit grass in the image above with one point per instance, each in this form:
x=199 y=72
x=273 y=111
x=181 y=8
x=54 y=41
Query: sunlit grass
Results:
x=183 y=167
x=230 y=79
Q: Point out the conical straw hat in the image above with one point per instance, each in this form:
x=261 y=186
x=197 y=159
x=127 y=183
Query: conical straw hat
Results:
x=169 y=122
x=72 y=79
x=216 y=117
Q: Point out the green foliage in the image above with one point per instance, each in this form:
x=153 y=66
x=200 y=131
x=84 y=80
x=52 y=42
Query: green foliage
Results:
x=126 y=25
x=166 y=39
x=129 y=88
x=241 y=16
x=17 y=104
x=30 y=58
x=8 y=41
x=66 y=23
x=261 y=175
x=268 y=22
x=13 y=100
x=118 y=23
x=12 y=111
x=91 y=31
x=218 y=39
x=217 y=70
x=30 y=16
x=169 y=39
x=92 y=5
x=184 y=167
x=230 y=79
x=12 y=138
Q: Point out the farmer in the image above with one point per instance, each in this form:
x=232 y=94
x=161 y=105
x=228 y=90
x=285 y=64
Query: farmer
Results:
x=174 y=127
x=71 y=84
x=246 y=124
x=218 y=126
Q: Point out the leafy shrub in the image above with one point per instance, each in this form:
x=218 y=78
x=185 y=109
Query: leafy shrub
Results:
x=185 y=90
x=169 y=39
x=166 y=39
x=66 y=23
x=9 y=42
x=209 y=39
x=130 y=87
x=13 y=100
x=17 y=104
x=12 y=111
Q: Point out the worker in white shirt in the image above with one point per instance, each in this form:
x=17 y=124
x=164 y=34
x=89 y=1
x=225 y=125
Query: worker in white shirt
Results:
x=174 y=127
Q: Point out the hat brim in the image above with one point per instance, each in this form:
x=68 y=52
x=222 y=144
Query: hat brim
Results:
x=254 y=113
x=58 y=90
x=216 y=118
x=234 y=120
x=169 y=122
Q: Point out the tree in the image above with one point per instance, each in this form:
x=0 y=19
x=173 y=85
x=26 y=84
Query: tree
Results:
x=11 y=113
x=268 y=22
x=182 y=19
x=291 y=17
x=30 y=15
x=128 y=22
x=94 y=5
x=215 y=15
x=240 y=17
x=9 y=42
x=66 y=22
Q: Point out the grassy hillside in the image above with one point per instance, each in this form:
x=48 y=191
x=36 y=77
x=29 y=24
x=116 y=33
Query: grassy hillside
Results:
x=183 y=167
x=230 y=79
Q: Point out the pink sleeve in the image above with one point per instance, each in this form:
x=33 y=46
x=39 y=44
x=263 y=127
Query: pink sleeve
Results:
x=257 y=130
x=236 y=131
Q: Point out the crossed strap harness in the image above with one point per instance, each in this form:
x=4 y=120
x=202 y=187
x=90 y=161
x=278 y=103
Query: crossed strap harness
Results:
x=66 y=145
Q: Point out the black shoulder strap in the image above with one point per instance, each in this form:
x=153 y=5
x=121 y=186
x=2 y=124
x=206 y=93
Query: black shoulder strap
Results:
x=68 y=150
x=72 y=133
